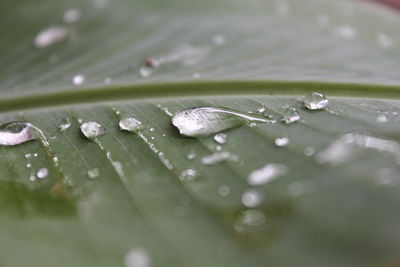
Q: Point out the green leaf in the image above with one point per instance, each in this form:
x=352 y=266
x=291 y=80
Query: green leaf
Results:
x=147 y=198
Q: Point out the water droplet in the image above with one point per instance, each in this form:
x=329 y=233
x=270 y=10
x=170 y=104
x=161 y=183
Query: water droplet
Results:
x=266 y=174
x=218 y=148
x=145 y=72
x=72 y=15
x=137 y=257
x=55 y=159
x=65 y=124
x=251 y=217
x=220 y=138
x=14 y=133
x=382 y=118
x=296 y=189
x=78 y=79
x=252 y=198
x=203 y=121
x=282 y=141
x=131 y=125
x=28 y=165
x=346 y=32
x=290 y=115
x=191 y=155
x=27 y=156
x=188 y=175
x=32 y=178
x=223 y=190
x=384 y=40
x=219 y=40
x=218 y=157
x=35 y=155
x=80 y=121
x=152 y=129
x=261 y=109
x=309 y=151
x=196 y=75
x=315 y=101
x=165 y=161
x=93 y=173
x=50 y=36
x=108 y=80
x=42 y=173
x=92 y=129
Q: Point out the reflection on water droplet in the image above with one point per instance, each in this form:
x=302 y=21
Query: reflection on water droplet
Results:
x=382 y=118
x=384 y=40
x=131 y=125
x=93 y=173
x=188 y=175
x=346 y=32
x=252 y=198
x=14 y=133
x=223 y=190
x=315 y=101
x=203 y=121
x=282 y=141
x=137 y=257
x=91 y=130
x=65 y=124
x=266 y=174
x=50 y=36
x=42 y=173
x=219 y=40
x=290 y=115
x=72 y=15
x=218 y=157
x=220 y=138
x=78 y=79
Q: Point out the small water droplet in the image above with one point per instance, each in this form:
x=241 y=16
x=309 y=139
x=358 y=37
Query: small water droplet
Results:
x=196 y=75
x=220 y=138
x=346 y=32
x=384 y=40
x=78 y=79
x=35 y=155
x=188 y=175
x=137 y=257
x=290 y=115
x=93 y=173
x=218 y=157
x=261 y=109
x=309 y=151
x=14 y=133
x=55 y=159
x=315 y=101
x=266 y=174
x=152 y=129
x=27 y=156
x=65 y=124
x=282 y=141
x=218 y=148
x=251 y=217
x=224 y=190
x=296 y=189
x=50 y=36
x=382 y=118
x=203 y=121
x=108 y=80
x=72 y=15
x=92 y=130
x=28 y=165
x=191 y=155
x=131 y=125
x=252 y=198
x=42 y=173
x=80 y=121
x=219 y=40
x=145 y=72
x=32 y=178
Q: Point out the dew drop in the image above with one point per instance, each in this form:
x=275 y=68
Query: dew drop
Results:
x=137 y=257
x=93 y=173
x=290 y=115
x=91 y=130
x=218 y=148
x=32 y=178
x=55 y=159
x=78 y=79
x=50 y=36
x=224 y=190
x=131 y=125
x=218 y=157
x=14 y=133
x=203 y=121
x=188 y=175
x=315 y=101
x=65 y=124
x=220 y=138
x=266 y=174
x=252 y=198
x=72 y=15
x=42 y=173
x=282 y=141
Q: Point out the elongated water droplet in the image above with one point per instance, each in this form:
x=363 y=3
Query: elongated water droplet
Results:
x=72 y=15
x=131 y=125
x=218 y=157
x=252 y=198
x=78 y=79
x=50 y=36
x=220 y=138
x=315 y=101
x=282 y=141
x=203 y=121
x=137 y=257
x=42 y=173
x=93 y=173
x=92 y=129
x=290 y=115
x=65 y=124
x=266 y=174
x=188 y=175
x=15 y=133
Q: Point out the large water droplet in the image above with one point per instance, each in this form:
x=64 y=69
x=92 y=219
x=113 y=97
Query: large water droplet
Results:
x=42 y=173
x=252 y=198
x=92 y=129
x=290 y=115
x=15 y=133
x=50 y=35
x=203 y=121
x=131 y=125
x=137 y=257
x=218 y=157
x=72 y=15
x=315 y=101
x=65 y=124
x=266 y=174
